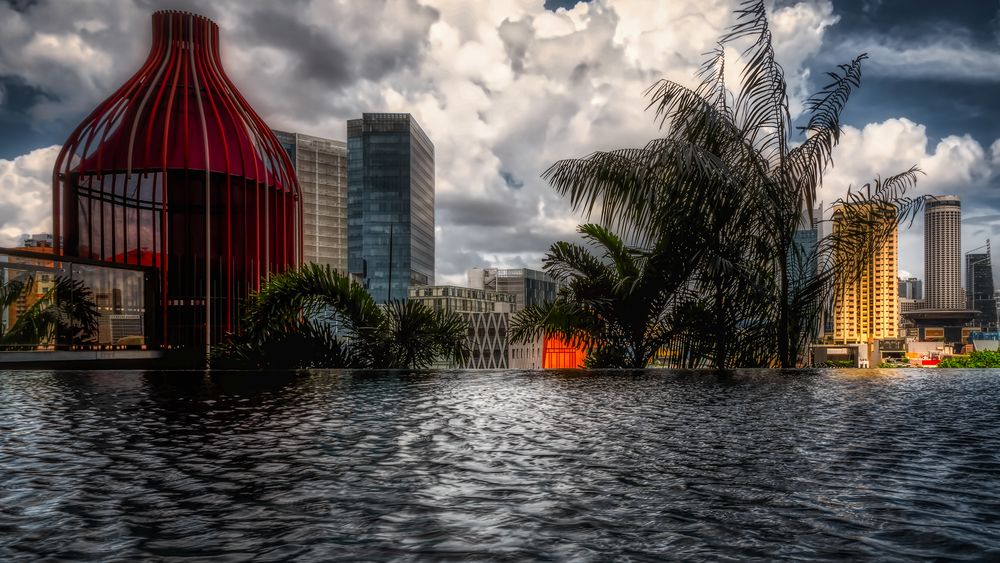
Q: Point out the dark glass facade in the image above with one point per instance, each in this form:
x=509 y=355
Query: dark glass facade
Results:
x=390 y=204
x=979 y=289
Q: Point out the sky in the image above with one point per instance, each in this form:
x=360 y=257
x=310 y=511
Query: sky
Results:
x=504 y=88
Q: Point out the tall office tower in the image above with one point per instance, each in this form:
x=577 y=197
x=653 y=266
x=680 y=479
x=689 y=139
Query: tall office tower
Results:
x=802 y=259
x=911 y=288
x=979 y=288
x=942 y=253
x=867 y=307
x=390 y=204
x=321 y=166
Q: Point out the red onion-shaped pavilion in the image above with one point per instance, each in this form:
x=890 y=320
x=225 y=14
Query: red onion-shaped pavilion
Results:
x=176 y=171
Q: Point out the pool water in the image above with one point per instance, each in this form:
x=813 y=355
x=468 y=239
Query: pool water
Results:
x=650 y=465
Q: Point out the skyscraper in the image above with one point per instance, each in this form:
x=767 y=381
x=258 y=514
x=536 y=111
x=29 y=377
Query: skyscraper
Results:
x=943 y=253
x=867 y=307
x=979 y=288
x=911 y=288
x=321 y=167
x=802 y=258
x=390 y=204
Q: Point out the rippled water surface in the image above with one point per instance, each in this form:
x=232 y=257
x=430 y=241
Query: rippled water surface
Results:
x=650 y=465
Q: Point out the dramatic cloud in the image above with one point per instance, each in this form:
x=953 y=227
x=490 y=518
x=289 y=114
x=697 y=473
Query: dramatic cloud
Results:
x=26 y=195
x=504 y=89
x=954 y=165
x=939 y=58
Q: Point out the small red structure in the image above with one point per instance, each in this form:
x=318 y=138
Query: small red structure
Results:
x=559 y=353
x=177 y=172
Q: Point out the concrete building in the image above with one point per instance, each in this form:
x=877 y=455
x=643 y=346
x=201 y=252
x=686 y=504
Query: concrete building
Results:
x=487 y=314
x=911 y=288
x=942 y=253
x=390 y=204
x=321 y=167
x=867 y=308
x=39 y=282
x=529 y=287
x=35 y=241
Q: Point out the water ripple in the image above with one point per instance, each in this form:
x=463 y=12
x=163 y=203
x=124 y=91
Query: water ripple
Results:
x=895 y=465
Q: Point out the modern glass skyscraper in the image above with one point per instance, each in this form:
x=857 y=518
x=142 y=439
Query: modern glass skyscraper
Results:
x=979 y=288
x=911 y=288
x=390 y=204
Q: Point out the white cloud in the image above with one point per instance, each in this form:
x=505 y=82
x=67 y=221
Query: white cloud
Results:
x=954 y=165
x=504 y=89
x=26 y=195
x=940 y=58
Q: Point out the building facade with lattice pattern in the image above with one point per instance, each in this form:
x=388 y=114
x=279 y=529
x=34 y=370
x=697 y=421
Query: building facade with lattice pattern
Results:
x=487 y=314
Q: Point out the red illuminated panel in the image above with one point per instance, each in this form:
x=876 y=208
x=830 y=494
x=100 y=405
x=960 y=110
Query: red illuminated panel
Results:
x=558 y=353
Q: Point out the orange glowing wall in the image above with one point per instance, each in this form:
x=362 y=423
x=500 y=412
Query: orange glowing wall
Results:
x=558 y=353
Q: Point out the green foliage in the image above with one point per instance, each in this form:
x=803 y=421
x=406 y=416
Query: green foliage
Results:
x=617 y=303
x=981 y=359
x=839 y=364
x=718 y=201
x=314 y=317
x=65 y=315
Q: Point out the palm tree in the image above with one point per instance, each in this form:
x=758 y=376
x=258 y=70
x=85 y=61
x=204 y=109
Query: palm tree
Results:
x=65 y=314
x=727 y=161
x=618 y=304
x=316 y=317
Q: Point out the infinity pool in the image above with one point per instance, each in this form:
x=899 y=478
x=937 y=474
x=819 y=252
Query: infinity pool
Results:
x=889 y=465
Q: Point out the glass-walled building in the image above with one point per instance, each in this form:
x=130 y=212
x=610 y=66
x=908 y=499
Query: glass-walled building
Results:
x=390 y=204
x=52 y=303
x=321 y=168
x=979 y=288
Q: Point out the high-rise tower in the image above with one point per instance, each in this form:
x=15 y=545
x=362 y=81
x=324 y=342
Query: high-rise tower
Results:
x=867 y=306
x=943 y=253
x=321 y=167
x=390 y=204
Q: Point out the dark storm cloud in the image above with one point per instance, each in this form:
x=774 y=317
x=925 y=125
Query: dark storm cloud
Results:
x=318 y=57
x=982 y=220
x=938 y=67
x=467 y=211
x=914 y=19
x=20 y=5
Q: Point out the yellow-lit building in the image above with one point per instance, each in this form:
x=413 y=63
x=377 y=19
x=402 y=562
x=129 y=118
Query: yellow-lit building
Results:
x=866 y=307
